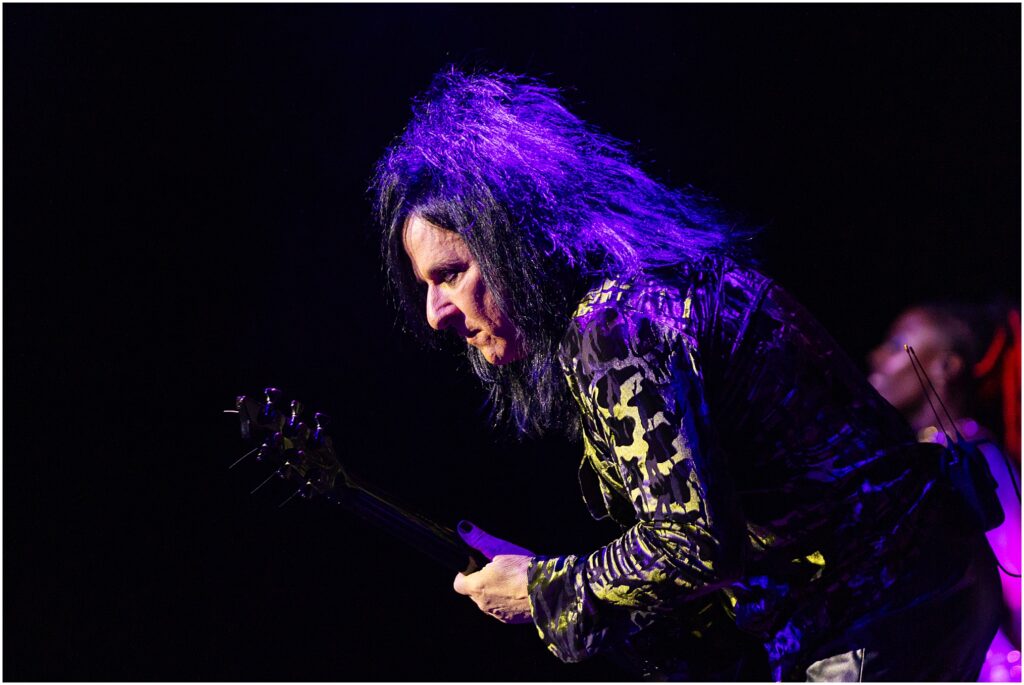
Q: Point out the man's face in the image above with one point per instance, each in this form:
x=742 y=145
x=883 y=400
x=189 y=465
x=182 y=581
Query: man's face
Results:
x=891 y=371
x=457 y=298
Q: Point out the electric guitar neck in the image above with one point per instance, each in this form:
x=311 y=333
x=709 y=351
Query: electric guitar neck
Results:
x=303 y=456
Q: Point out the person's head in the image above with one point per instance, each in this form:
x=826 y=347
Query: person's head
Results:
x=533 y=205
x=457 y=298
x=960 y=347
x=942 y=342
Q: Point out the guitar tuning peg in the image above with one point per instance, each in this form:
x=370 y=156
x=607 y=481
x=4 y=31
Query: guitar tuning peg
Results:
x=244 y=416
x=320 y=437
x=270 y=414
x=271 y=448
x=295 y=419
x=300 y=433
x=295 y=465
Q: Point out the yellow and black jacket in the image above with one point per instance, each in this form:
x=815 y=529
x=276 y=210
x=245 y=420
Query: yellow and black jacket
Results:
x=765 y=491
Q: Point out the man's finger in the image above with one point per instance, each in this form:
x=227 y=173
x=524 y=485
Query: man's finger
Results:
x=460 y=584
x=487 y=544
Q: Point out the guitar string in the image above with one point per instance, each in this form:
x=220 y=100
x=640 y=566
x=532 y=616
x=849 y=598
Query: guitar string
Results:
x=423 y=534
x=239 y=460
x=914 y=359
x=269 y=478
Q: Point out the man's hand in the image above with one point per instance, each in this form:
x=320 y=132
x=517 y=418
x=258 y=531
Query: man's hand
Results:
x=499 y=588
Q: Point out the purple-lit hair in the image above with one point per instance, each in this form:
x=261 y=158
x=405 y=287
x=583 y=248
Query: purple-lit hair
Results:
x=547 y=204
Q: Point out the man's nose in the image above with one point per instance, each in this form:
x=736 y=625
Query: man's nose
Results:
x=873 y=357
x=878 y=356
x=440 y=309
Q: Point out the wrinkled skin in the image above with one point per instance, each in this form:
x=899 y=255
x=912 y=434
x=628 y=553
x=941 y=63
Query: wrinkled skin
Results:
x=457 y=297
x=500 y=587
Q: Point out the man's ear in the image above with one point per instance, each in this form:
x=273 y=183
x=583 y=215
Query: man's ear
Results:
x=953 y=366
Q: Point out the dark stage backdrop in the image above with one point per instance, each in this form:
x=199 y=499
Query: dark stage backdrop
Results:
x=185 y=218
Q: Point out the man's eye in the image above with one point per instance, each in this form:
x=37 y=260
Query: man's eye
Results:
x=450 y=277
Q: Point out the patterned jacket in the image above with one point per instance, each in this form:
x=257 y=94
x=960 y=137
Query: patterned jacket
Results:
x=760 y=481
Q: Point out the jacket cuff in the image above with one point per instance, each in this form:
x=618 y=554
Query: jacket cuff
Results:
x=563 y=607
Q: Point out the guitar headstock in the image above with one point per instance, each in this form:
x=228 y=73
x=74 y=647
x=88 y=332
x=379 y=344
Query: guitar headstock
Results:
x=301 y=452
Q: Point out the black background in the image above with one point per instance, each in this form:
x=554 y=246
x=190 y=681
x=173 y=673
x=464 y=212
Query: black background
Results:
x=185 y=219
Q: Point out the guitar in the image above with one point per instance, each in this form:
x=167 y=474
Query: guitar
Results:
x=304 y=457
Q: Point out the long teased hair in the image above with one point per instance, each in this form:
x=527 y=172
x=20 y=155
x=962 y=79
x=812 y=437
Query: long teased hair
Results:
x=547 y=204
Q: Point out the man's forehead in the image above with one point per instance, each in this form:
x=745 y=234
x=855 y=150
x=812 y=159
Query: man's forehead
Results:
x=421 y=235
x=430 y=247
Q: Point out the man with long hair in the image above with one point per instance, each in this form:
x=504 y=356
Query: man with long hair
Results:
x=779 y=520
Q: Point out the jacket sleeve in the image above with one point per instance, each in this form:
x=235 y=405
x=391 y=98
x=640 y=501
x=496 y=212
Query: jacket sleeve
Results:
x=639 y=386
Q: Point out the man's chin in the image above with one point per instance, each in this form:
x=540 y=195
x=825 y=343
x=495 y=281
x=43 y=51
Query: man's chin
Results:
x=502 y=358
x=493 y=358
x=498 y=355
